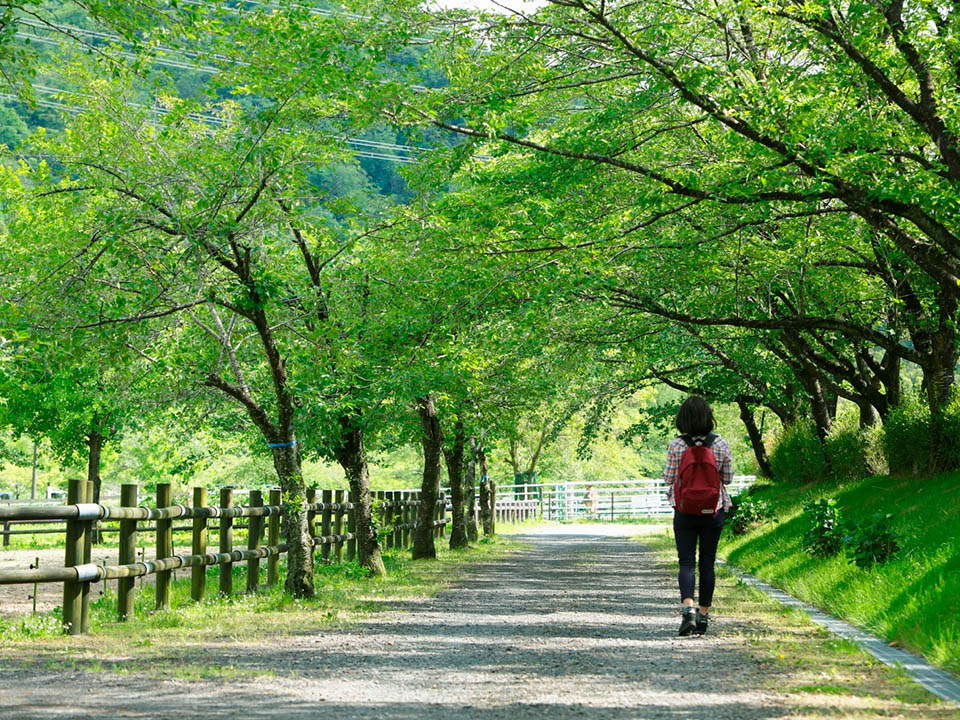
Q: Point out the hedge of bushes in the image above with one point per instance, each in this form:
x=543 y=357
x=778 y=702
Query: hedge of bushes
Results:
x=900 y=445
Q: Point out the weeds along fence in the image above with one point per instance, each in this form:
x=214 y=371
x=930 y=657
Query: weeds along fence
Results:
x=333 y=511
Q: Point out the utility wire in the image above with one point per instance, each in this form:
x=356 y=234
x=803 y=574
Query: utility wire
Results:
x=364 y=144
x=73 y=31
x=208 y=120
x=165 y=62
x=268 y=6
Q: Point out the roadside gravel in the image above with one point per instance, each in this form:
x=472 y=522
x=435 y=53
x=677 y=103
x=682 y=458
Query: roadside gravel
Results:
x=573 y=626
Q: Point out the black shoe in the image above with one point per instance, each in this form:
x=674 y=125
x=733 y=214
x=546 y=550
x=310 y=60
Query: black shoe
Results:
x=689 y=622
x=701 y=623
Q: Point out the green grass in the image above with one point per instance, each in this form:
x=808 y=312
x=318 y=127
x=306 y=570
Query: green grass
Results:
x=819 y=674
x=147 y=643
x=912 y=600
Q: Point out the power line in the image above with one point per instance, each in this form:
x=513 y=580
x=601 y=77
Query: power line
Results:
x=71 y=31
x=364 y=143
x=165 y=62
x=266 y=5
x=208 y=120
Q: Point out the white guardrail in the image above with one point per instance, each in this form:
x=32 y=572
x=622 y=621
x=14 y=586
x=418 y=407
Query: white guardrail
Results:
x=609 y=500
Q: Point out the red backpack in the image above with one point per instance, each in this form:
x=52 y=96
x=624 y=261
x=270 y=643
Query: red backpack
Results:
x=698 y=480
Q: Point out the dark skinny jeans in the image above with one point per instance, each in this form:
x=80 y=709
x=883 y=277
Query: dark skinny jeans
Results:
x=687 y=531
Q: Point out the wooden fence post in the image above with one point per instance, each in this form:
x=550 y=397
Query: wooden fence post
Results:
x=404 y=519
x=388 y=519
x=352 y=526
x=443 y=515
x=164 y=545
x=396 y=515
x=380 y=513
x=87 y=530
x=253 y=542
x=198 y=573
x=226 y=541
x=128 y=554
x=273 y=562
x=613 y=504
x=312 y=523
x=338 y=524
x=325 y=524
x=72 y=555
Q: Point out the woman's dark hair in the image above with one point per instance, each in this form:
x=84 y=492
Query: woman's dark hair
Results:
x=694 y=417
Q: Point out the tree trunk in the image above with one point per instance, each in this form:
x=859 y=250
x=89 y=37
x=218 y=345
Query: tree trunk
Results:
x=286 y=461
x=868 y=415
x=541 y=441
x=352 y=456
x=786 y=416
x=485 y=504
x=515 y=460
x=95 y=442
x=756 y=438
x=33 y=479
x=821 y=412
x=488 y=504
x=454 y=458
x=891 y=381
x=470 y=494
x=831 y=400
x=818 y=403
x=432 y=439
x=938 y=379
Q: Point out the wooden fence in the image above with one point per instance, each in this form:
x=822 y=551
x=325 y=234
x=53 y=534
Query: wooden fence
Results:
x=334 y=510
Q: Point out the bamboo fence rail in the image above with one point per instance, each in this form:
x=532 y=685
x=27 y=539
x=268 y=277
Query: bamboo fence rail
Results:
x=337 y=513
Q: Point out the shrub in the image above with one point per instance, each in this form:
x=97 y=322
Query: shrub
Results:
x=872 y=541
x=846 y=448
x=747 y=512
x=950 y=451
x=906 y=435
x=824 y=532
x=874 y=455
x=798 y=455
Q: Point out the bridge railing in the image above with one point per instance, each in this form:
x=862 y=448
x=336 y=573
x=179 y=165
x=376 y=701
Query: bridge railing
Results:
x=603 y=500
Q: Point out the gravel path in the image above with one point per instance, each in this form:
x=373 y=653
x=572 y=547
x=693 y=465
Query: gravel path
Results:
x=573 y=626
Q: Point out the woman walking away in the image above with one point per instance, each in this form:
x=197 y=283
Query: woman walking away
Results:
x=699 y=467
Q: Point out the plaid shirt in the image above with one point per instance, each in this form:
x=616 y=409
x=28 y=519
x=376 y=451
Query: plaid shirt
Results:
x=721 y=451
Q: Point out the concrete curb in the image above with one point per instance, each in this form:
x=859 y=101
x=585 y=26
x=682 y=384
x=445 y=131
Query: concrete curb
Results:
x=940 y=683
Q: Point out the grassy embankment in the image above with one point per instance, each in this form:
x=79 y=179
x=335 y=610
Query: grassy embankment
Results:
x=816 y=673
x=170 y=643
x=912 y=601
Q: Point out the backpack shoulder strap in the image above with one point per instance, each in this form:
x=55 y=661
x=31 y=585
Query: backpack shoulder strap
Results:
x=709 y=439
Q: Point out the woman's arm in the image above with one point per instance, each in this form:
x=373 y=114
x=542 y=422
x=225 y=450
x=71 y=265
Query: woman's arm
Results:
x=724 y=461
x=674 y=453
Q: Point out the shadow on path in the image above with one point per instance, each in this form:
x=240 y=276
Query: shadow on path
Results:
x=573 y=626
